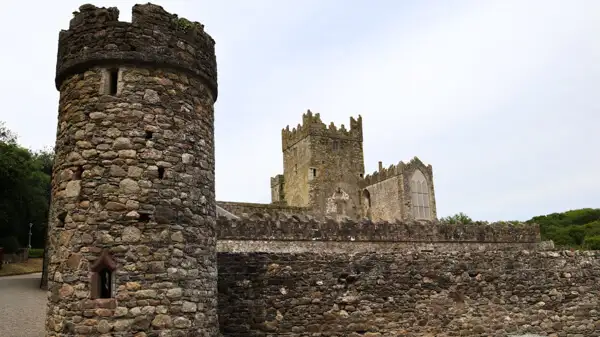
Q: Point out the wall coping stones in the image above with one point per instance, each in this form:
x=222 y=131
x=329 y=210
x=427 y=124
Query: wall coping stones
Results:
x=262 y=226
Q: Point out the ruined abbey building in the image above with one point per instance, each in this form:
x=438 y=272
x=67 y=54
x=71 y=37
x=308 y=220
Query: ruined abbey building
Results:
x=323 y=176
x=138 y=246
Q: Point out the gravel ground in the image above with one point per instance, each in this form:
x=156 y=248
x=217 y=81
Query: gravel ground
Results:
x=22 y=306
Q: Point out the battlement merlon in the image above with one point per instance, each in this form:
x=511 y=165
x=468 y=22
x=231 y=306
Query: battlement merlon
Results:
x=154 y=38
x=284 y=227
x=277 y=180
x=383 y=173
x=313 y=126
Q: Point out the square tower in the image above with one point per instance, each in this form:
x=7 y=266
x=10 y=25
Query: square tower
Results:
x=323 y=165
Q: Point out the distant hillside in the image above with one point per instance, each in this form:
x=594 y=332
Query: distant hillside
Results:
x=578 y=228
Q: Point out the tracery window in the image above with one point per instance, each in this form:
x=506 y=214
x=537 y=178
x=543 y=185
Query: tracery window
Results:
x=420 y=196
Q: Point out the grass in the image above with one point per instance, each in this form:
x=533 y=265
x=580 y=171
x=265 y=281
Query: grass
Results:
x=31 y=266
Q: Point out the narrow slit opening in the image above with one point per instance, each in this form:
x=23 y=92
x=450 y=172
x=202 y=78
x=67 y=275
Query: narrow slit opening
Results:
x=105 y=283
x=161 y=172
x=148 y=134
x=114 y=80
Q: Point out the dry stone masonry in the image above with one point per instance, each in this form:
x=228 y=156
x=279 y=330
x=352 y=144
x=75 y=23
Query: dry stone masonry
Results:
x=409 y=293
x=132 y=235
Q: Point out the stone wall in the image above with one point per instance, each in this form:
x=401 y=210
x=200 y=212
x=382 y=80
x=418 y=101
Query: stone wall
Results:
x=239 y=208
x=296 y=162
x=298 y=228
x=409 y=294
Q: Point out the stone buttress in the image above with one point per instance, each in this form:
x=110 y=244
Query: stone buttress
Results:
x=132 y=241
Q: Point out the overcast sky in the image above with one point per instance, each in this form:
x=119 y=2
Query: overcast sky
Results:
x=502 y=97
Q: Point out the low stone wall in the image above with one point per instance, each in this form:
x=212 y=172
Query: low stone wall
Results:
x=297 y=228
x=21 y=256
x=239 y=208
x=488 y=293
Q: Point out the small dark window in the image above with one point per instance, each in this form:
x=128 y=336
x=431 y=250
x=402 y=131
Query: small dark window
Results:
x=144 y=217
x=360 y=175
x=312 y=173
x=148 y=134
x=336 y=145
x=113 y=77
x=161 y=172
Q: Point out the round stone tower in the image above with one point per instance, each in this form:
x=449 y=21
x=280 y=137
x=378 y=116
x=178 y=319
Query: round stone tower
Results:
x=132 y=246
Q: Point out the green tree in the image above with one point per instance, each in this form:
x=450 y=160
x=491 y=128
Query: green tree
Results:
x=25 y=190
x=6 y=135
x=457 y=218
x=592 y=242
x=574 y=228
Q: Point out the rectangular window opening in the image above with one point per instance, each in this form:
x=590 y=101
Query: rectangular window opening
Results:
x=312 y=173
x=113 y=78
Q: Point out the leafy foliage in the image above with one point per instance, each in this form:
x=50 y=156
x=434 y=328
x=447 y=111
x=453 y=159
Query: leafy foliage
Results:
x=457 y=218
x=36 y=253
x=25 y=192
x=578 y=228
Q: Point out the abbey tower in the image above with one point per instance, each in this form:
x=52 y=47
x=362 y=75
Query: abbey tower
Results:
x=132 y=241
x=323 y=174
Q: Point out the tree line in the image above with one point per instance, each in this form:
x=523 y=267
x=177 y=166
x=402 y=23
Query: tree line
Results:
x=24 y=192
x=579 y=228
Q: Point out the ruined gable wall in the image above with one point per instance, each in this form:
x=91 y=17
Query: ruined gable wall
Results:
x=389 y=191
x=383 y=199
x=489 y=293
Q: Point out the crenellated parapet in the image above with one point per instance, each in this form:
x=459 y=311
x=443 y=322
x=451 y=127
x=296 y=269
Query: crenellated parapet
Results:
x=313 y=126
x=283 y=227
x=154 y=38
x=384 y=173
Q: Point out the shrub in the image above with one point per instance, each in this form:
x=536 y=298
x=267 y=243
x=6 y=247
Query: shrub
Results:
x=10 y=244
x=592 y=242
x=36 y=253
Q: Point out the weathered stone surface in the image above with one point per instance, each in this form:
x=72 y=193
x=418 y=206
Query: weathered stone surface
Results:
x=410 y=293
x=306 y=228
x=136 y=99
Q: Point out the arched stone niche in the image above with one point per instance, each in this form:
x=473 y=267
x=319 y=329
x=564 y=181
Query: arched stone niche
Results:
x=103 y=276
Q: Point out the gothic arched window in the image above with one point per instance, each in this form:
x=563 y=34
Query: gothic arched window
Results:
x=420 y=196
